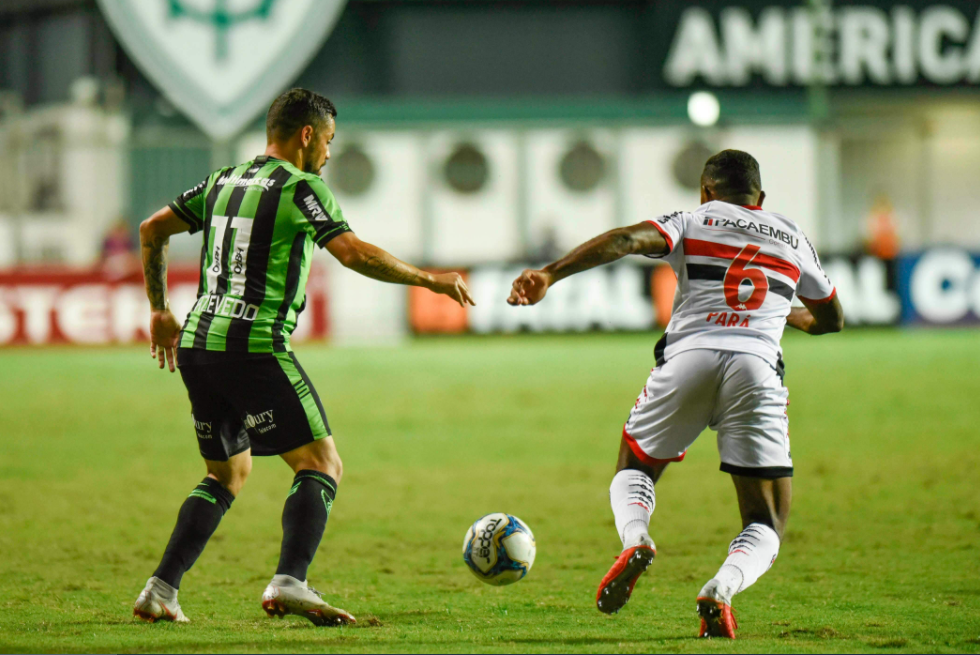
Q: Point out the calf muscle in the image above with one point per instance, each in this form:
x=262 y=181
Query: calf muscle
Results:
x=764 y=501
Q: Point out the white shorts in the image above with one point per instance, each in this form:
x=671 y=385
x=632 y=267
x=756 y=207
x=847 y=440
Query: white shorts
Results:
x=740 y=396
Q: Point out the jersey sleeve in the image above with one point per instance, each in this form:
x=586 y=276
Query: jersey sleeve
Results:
x=189 y=206
x=319 y=213
x=671 y=226
x=814 y=285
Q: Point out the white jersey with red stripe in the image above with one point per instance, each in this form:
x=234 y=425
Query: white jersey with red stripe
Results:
x=737 y=269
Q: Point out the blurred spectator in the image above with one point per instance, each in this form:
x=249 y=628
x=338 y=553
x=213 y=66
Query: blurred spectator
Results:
x=547 y=248
x=119 y=258
x=881 y=238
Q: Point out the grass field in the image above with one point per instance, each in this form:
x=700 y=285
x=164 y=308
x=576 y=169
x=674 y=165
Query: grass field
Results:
x=882 y=553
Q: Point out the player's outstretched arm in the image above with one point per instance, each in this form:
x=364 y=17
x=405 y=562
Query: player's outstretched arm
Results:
x=155 y=233
x=373 y=262
x=640 y=239
x=817 y=317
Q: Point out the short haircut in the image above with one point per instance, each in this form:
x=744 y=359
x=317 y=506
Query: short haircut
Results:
x=734 y=173
x=294 y=110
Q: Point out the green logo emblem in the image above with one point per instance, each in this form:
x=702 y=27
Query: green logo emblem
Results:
x=221 y=19
x=221 y=62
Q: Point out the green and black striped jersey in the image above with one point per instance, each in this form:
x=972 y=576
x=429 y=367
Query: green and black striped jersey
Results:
x=260 y=221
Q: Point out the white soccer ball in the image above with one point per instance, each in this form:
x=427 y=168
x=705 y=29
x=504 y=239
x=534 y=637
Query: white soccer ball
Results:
x=499 y=549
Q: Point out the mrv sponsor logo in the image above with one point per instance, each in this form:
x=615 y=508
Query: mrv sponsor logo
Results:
x=316 y=210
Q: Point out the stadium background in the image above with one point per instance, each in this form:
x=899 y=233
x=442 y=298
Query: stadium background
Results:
x=484 y=136
x=541 y=127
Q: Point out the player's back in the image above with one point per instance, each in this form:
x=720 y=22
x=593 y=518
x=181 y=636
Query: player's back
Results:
x=260 y=220
x=738 y=268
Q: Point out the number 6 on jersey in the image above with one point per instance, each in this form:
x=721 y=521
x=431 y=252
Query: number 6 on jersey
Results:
x=737 y=273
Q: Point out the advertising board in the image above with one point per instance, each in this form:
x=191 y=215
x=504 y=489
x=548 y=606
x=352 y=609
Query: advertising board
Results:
x=48 y=306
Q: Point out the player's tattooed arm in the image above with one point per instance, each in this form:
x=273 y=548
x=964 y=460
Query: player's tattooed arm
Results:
x=378 y=264
x=155 y=233
x=641 y=239
x=390 y=269
x=155 y=270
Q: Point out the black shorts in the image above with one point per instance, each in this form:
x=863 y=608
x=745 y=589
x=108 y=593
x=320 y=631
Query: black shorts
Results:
x=262 y=401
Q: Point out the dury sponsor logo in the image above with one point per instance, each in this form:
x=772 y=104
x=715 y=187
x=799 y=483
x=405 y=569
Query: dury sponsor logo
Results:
x=261 y=422
x=203 y=429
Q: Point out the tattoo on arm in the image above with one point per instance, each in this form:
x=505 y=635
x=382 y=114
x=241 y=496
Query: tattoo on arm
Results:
x=155 y=271
x=603 y=249
x=386 y=268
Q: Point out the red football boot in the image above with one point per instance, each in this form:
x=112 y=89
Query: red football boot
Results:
x=616 y=587
x=717 y=618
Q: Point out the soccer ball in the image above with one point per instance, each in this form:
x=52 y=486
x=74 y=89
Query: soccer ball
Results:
x=499 y=549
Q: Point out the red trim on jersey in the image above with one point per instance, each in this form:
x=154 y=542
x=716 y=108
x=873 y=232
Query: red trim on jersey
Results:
x=833 y=294
x=699 y=248
x=755 y=208
x=670 y=242
x=642 y=456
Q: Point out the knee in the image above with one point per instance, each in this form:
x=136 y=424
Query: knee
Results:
x=328 y=463
x=331 y=465
x=232 y=474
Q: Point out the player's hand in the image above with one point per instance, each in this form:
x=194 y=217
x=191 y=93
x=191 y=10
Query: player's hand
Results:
x=164 y=335
x=530 y=287
x=452 y=285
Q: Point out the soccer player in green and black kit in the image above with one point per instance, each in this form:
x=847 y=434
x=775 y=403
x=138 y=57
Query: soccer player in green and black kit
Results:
x=249 y=395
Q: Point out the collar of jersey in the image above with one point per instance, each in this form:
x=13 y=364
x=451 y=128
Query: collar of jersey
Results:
x=752 y=207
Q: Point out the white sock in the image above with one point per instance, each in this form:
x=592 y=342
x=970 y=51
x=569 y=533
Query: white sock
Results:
x=632 y=498
x=749 y=556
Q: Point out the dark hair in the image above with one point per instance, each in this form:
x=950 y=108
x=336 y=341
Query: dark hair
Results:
x=734 y=173
x=296 y=109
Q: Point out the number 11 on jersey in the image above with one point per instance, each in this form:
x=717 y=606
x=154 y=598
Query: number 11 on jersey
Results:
x=220 y=264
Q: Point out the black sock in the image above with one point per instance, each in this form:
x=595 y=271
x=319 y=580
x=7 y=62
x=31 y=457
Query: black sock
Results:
x=197 y=520
x=304 y=519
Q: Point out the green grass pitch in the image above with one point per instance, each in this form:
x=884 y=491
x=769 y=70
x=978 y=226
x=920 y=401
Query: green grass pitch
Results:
x=882 y=554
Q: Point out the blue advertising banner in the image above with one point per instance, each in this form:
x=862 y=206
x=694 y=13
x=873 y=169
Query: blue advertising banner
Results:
x=940 y=287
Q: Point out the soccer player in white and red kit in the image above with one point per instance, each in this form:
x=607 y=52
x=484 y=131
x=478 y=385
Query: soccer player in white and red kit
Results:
x=719 y=365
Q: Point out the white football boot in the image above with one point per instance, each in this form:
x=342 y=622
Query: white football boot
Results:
x=287 y=595
x=158 y=602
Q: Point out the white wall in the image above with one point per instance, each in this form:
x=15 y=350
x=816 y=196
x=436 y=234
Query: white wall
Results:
x=573 y=216
x=482 y=226
x=646 y=171
x=389 y=213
